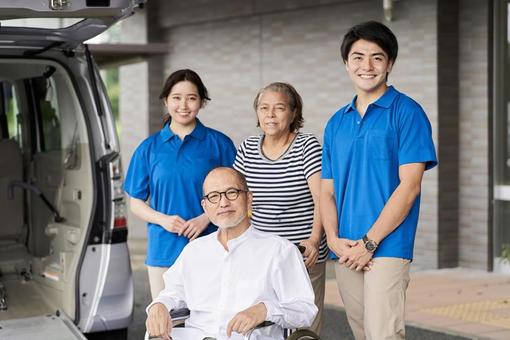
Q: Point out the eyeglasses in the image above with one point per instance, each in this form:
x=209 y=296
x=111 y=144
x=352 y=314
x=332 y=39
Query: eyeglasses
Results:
x=231 y=194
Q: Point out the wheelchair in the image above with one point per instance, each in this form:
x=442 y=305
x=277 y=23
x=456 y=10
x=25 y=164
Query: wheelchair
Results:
x=178 y=316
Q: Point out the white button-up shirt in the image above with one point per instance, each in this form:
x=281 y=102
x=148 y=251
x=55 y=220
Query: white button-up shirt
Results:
x=216 y=284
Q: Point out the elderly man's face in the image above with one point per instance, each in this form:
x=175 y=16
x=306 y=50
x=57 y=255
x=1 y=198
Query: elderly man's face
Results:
x=226 y=202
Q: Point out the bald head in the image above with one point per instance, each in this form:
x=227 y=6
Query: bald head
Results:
x=228 y=199
x=228 y=176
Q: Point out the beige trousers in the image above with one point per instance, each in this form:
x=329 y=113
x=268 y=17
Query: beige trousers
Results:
x=318 y=278
x=375 y=300
x=156 y=282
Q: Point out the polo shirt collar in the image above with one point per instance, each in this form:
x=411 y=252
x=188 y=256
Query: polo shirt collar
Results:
x=387 y=98
x=198 y=132
x=352 y=105
x=384 y=101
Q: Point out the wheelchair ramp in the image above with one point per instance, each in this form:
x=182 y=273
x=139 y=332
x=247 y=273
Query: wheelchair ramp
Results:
x=48 y=327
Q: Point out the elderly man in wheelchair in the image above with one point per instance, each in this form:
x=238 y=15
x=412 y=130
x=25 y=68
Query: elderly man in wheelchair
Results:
x=234 y=279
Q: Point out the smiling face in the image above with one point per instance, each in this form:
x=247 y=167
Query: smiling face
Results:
x=226 y=213
x=274 y=113
x=368 y=66
x=183 y=103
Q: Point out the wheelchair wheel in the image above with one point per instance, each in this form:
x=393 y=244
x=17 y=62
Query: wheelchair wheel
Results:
x=303 y=334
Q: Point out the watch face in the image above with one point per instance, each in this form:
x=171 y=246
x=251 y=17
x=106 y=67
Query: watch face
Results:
x=370 y=246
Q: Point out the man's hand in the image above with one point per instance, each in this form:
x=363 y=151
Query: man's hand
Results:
x=311 y=252
x=194 y=227
x=158 y=322
x=357 y=257
x=247 y=319
x=172 y=223
x=340 y=245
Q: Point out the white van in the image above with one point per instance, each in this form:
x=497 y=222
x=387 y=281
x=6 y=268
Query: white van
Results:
x=64 y=262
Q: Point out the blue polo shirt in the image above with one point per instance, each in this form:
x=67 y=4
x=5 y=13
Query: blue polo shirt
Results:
x=363 y=155
x=170 y=173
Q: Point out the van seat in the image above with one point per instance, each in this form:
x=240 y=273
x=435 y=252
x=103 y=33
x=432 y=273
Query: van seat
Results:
x=14 y=258
x=11 y=168
x=13 y=252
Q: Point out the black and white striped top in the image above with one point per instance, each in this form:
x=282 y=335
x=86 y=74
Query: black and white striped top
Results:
x=282 y=201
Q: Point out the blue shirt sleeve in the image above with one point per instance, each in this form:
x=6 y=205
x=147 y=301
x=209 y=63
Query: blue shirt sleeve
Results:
x=326 y=152
x=415 y=138
x=137 y=182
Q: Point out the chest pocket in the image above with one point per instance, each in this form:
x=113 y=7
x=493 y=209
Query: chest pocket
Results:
x=380 y=144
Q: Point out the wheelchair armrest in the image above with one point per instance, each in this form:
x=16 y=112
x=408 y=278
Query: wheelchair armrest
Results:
x=264 y=324
x=260 y=325
x=176 y=315
x=179 y=314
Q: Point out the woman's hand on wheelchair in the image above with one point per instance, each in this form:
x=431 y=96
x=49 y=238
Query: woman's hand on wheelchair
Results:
x=311 y=253
x=247 y=319
x=158 y=322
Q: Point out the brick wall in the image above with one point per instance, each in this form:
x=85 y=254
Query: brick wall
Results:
x=474 y=146
x=133 y=107
x=239 y=46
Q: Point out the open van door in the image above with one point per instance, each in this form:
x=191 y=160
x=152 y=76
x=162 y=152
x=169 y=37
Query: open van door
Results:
x=65 y=246
x=85 y=19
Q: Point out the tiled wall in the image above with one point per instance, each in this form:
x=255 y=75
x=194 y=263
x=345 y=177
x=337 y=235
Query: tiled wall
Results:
x=474 y=147
x=133 y=108
x=239 y=46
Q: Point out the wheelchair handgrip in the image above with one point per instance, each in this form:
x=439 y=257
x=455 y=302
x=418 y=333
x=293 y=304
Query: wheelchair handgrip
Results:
x=301 y=248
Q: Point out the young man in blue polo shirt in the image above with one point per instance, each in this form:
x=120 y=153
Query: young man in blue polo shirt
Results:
x=376 y=150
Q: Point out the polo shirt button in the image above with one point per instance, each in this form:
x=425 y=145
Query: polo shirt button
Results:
x=357 y=122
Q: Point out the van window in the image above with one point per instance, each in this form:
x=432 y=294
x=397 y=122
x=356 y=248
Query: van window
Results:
x=11 y=125
x=45 y=92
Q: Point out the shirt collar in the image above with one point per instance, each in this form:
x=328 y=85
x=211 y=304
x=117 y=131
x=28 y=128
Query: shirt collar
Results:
x=387 y=98
x=198 y=132
x=234 y=243
x=384 y=101
x=352 y=105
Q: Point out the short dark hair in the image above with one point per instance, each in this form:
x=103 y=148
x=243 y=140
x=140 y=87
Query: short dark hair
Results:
x=295 y=102
x=372 y=31
x=183 y=75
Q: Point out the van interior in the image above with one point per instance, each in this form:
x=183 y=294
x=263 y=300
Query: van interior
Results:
x=46 y=188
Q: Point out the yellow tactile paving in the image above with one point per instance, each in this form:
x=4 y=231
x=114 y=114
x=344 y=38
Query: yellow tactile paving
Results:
x=487 y=312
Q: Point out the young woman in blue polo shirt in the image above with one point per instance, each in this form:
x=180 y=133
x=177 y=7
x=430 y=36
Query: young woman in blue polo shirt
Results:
x=166 y=172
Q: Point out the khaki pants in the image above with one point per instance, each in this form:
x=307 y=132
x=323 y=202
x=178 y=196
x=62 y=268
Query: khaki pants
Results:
x=156 y=282
x=375 y=300
x=318 y=278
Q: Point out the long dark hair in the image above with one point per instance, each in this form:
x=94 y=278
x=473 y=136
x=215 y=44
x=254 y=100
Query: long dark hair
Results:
x=183 y=75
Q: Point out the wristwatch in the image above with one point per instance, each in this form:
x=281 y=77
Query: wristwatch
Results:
x=370 y=245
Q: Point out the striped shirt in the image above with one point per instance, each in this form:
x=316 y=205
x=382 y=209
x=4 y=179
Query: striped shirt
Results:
x=282 y=201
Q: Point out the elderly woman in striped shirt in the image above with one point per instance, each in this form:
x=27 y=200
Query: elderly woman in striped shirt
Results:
x=283 y=168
